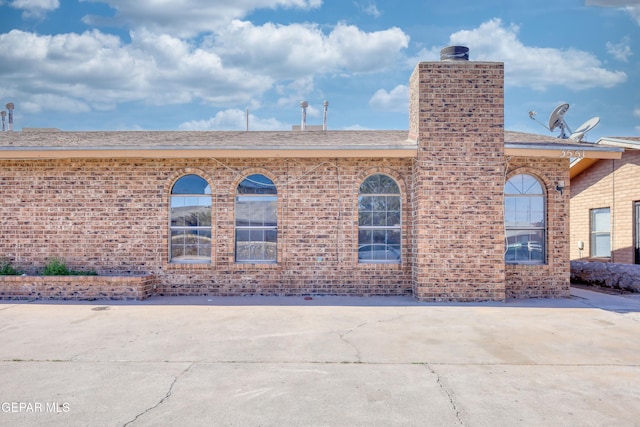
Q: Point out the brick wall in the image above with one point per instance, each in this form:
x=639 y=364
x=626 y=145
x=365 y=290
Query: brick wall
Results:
x=112 y=216
x=551 y=279
x=457 y=114
x=609 y=184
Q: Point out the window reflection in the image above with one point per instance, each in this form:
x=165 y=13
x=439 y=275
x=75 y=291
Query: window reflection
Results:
x=379 y=220
x=190 y=220
x=256 y=220
x=524 y=216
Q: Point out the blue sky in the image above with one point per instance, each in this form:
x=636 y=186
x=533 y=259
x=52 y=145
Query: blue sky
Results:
x=200 y=64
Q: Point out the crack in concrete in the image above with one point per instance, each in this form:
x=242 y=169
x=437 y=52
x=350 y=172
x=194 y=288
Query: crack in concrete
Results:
x=446 y=393
x=346 y=341
x=164 y=399
x=361 y=325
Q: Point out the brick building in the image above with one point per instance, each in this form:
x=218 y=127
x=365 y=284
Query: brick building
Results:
x=605 y=206
x=454 y=209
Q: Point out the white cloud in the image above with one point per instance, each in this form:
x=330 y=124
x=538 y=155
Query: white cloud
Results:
x=38 y=103
x=634 y=12
x=611 y=3
x=369 y=8
x=366 y=52
x=234 y=67
x=187 y=18
x=297 y=50
x=91 y=66
x=620 y=51
x=535 y=67
x=396 y=100
x=632 y=7
x=425 y=54
x=233 y=119
x=357 y=127
x=35 y=8
x=295 y=91
x=636 y=112
x=180 y=72
x=97 y=69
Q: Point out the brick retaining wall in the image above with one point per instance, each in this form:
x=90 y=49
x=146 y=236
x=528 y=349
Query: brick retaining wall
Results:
x=76 y=287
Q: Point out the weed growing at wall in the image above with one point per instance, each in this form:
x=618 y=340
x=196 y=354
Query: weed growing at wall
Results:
x=58 y=268
x=6 y=269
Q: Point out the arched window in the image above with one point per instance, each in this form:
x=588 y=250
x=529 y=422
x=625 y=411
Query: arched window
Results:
x=379 y=220
x=190 y=220
x=256 y=220
x=525 y=220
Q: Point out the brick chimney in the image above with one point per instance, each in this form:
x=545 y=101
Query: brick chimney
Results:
x=456 y=113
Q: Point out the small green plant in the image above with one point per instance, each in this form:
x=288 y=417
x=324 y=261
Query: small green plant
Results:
x=6 y=269
x=58 y=268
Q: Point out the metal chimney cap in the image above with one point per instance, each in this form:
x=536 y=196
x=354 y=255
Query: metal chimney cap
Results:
x=454 y=53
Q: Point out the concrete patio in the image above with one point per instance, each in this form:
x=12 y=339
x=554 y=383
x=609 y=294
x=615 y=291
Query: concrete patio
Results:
x=328 y=361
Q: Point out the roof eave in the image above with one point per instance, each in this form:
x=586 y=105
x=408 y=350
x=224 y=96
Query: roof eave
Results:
x=618 y=142
x=26 y=153
x=562 y=151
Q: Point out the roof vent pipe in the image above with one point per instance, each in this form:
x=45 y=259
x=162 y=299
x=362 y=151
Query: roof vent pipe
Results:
x=324 y=121
x=454 y=53
x=304 y=105
x=10 y=108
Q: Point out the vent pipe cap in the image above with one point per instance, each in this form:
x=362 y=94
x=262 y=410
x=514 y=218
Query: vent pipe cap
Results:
x=454 y=53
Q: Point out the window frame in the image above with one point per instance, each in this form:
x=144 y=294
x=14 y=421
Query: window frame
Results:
x=532 y=229
x=268 y=197
x=198 y=228
x=594 y=234
x=386 y=228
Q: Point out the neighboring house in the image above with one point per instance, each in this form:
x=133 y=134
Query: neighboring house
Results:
x=605 y=205
x=452 y=209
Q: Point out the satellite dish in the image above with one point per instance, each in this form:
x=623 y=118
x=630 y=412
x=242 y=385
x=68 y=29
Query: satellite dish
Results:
x=584 y=128
x=556 y=119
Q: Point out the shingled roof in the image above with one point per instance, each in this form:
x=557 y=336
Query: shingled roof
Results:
x=52 y=143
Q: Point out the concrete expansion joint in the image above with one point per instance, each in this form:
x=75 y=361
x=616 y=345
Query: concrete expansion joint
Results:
x=446 y=392
x=165 y=398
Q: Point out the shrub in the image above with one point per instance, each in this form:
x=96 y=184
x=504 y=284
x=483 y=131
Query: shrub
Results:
x=58 y=268
x=6 y=269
